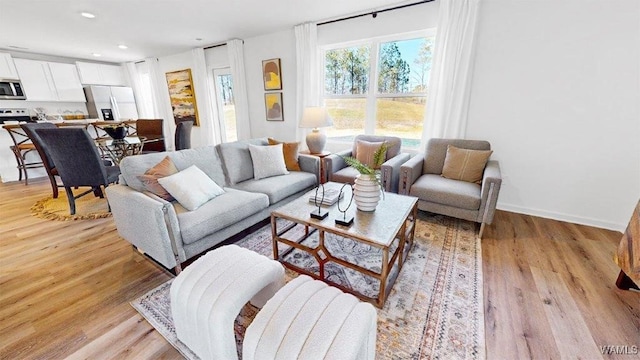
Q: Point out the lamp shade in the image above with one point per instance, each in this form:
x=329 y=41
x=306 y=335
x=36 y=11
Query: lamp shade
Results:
x=315 y=117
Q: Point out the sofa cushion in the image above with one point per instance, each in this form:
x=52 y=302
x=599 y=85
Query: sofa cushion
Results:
x=456 y=193
x=267 y=161
x=218 y=213
x=279 y=187
x=205 y=158
x=236 y=159
x=290 y=152
x=465 y=164
x=191 y=187
x=345 y=175
x=150 y=178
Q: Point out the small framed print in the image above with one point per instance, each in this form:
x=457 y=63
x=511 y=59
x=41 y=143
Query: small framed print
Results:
x=273 y=106
x=271 y=74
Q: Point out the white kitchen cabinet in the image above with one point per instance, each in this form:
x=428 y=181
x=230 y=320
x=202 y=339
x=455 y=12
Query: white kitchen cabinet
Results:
x=100 y=74
x=36 y=80
x=67 y=82
x=50 y=81
x=7 y=68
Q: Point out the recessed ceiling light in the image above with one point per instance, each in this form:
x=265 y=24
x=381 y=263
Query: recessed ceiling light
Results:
x=97 y=55
x=88 y=15
x=122 y=46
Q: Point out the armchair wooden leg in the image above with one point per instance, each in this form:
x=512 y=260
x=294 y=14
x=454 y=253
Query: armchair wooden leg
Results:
x=481 y=231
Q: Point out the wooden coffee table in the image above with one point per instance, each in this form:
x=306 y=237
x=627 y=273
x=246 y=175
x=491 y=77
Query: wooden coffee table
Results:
x=388 y=230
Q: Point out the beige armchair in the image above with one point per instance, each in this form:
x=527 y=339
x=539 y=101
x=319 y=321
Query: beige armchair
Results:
x=421 y=177
x=337 y=169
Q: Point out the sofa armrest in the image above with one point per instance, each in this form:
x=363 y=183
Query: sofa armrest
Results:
x=391 y=172
x=310 y=164
x=147 y=222
x=491 y=182
x=334 y=162
x=410 y=171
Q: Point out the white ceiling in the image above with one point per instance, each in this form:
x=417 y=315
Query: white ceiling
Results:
x=153 y=28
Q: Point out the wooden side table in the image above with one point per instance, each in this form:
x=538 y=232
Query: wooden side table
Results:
x=321 y=156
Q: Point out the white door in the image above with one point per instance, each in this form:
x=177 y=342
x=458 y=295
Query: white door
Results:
x=226 y=104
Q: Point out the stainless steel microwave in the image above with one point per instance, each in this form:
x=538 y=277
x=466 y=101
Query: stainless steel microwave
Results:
x=11 y=90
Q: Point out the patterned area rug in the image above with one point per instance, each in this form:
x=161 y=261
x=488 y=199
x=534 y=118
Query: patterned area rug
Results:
x=87 y=207
x=434 y=311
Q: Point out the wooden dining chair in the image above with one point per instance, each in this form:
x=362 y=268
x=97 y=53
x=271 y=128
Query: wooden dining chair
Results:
x=151 y=129
x=21 y=148
x=78 y=162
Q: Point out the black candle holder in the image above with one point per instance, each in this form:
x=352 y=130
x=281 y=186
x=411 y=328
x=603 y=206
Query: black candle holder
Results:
x=319 y=213
x=344 y=221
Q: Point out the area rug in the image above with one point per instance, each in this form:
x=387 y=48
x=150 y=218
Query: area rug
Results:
x=87 y=207
x=434 y=311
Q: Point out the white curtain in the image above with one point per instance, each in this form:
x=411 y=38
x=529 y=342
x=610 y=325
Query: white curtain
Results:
x=161 y=102
x=307 y=72
x=449 y=87
x=134 y=80
x=205 y=98
x=236 y=61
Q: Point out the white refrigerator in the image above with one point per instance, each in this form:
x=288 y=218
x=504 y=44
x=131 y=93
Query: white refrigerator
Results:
x=111 y=102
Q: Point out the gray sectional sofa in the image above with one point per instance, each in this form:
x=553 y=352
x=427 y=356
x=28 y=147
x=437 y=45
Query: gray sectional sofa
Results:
x=169 y=233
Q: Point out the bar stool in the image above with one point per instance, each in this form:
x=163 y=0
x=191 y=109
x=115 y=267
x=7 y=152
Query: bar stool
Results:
x=22 y=146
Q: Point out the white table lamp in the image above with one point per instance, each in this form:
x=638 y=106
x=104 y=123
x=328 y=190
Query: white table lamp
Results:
x=316 y=117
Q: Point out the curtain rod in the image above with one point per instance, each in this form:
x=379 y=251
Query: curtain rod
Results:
x=215 y=46
x=374 y=13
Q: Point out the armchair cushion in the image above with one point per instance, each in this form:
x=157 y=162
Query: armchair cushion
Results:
x=366 y=150
x=465 y=164
x=437 y=152
x=345 y=175
x=456 y=193
x=394 y=143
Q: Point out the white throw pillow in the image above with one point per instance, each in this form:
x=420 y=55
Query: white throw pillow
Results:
x=267 y=161
x=191 y=187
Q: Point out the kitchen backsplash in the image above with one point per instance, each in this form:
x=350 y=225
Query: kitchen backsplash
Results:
x=51 y=108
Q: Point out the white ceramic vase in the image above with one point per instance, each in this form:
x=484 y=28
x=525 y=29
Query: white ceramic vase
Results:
x=366 y=192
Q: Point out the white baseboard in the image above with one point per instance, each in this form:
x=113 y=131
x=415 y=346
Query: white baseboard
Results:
x=563 y=217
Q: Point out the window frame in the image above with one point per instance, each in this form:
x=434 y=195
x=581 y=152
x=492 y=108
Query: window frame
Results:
x=372 y=94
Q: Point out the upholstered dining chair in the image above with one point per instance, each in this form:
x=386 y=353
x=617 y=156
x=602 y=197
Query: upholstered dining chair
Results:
x=183 y=135
x=454 y=177
x=151 y=129
x=77 y=162
x=337 y=169
x=30 y=130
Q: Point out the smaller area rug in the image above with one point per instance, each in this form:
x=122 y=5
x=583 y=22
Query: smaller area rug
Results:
x=87 y=207
x=434 y=311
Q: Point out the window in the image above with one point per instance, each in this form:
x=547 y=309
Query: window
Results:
x=378 y=86
x=226 y=104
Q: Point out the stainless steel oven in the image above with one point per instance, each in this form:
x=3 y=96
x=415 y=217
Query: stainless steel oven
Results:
x=11 y=90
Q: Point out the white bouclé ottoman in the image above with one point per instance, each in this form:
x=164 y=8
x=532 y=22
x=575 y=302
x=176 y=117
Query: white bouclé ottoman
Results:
x=307 y=319
x=208 y=295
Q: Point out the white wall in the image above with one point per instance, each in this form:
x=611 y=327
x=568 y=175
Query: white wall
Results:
x=276 y=45
x=174 y=63
x=556 y=91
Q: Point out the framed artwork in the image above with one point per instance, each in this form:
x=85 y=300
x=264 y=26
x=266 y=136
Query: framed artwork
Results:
x=183 y=97
x=273 y=106
x=271 y=74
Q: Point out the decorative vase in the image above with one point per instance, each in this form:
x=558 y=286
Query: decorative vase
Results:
x=366 y=192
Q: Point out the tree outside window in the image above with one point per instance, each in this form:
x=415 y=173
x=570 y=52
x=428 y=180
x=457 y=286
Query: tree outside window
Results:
x=378 y=86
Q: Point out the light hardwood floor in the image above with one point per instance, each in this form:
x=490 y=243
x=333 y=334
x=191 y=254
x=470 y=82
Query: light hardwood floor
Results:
x=65 y=288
